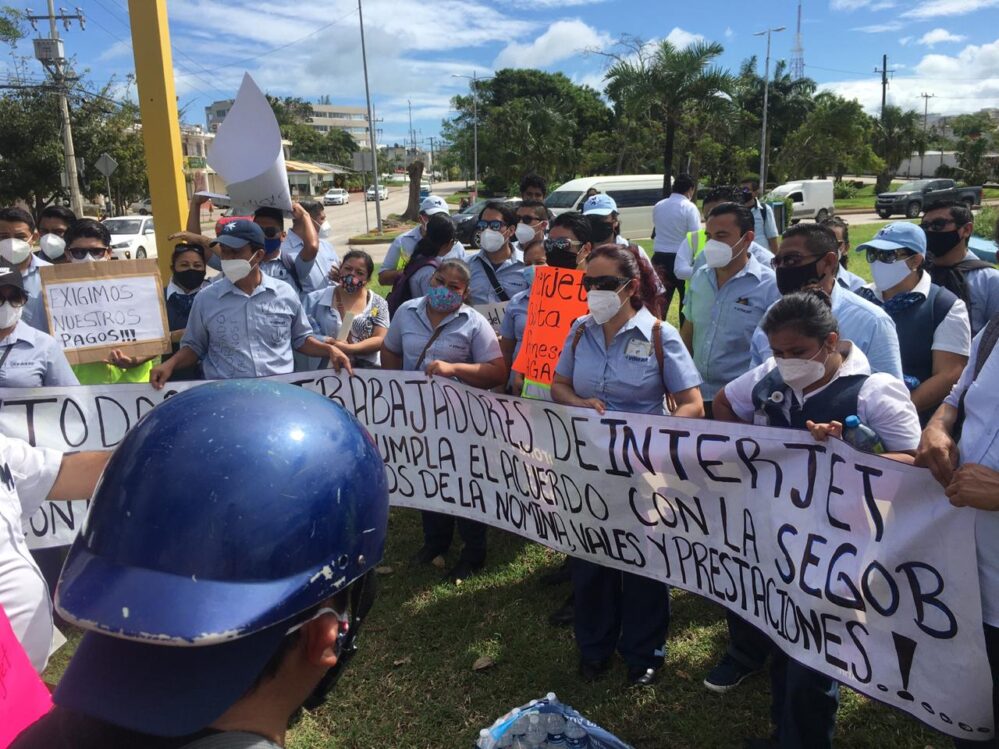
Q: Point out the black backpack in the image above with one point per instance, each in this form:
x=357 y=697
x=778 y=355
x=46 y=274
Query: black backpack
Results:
x=400 y=289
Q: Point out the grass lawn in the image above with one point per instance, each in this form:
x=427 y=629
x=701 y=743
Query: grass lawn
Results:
x=412 y=684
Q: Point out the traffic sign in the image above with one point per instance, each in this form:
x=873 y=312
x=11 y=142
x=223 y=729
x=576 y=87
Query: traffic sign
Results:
x=106 y=165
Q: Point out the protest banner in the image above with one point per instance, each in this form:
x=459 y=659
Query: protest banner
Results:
x=93 y=308
x=855 y=565
x=557 y=299
x=493 y=313
x=247 y=152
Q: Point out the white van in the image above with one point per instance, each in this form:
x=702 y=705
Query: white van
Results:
x=635 y=195
x=810 y=198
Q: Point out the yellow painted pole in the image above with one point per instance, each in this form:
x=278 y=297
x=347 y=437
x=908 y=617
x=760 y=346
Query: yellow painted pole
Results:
x=160 y=122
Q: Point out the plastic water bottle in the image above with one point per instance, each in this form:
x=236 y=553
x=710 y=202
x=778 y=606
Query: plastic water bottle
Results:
x=485 y=740
x=861 y=436
x=537 y=733
x=576 y=736
x=556 y=730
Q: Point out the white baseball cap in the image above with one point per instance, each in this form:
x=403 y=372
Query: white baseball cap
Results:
x=433 y=204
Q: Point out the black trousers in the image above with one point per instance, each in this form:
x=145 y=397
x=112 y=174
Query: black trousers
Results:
x=438 y=531
x=664 y=264
x=803 y=704
x=619 y=610
x=992 y=648
x=746 y=644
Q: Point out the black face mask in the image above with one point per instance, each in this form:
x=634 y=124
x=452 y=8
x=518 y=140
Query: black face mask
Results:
x=189 y=279
x=796 y=278
x=939 y=243
x=562 y=259
x=602 y=232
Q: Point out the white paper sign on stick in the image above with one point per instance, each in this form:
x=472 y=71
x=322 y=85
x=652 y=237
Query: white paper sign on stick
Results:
x=493 y=313
x=247 y=153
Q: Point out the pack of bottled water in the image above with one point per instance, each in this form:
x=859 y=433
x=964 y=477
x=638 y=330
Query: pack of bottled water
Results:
x=546 y=724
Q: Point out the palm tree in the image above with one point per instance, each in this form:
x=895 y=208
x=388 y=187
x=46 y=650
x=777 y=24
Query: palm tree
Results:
x=898 y=134
x=663 y=83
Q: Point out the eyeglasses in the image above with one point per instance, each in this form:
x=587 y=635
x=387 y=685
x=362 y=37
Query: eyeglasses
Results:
x=604 y=283
x=81 y=254
x=14 y=299
x=886 y=256
x=495 y=225
x=529 y=220
x=562 y=244
x=791 y=260
x=937 y=225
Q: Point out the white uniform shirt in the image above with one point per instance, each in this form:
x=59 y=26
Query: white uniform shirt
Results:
x=883 y=403
x=673 y=218
x=26 y=477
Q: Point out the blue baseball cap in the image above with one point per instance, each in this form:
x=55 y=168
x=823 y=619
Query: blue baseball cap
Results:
x=599 y=205
x=900 y=235
x=237 y=234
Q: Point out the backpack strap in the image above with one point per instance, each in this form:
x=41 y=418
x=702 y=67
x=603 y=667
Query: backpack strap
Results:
x=491 y=274
x=657 y=343
x=576 y=338
x=430 y=342
x=990 y=336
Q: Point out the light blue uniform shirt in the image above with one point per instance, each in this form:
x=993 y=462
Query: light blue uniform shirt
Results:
x=765 y=225
x=239 y=335
x=467 y=338
x=626 y=375
x=325 y=319
x=401 y=249
x=724 y=320
x=515 y=318
x=419 y=282
x=35 y=360
x=762 y=254
x=312 y=275
x=980 y=444
x=34 y=311
x=867 y=325
x=983 y=296
x=278 y=269
x=849 y=280
x=510 y=275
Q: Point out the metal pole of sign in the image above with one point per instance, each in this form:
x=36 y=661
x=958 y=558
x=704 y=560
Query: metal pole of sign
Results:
x=371 y=127
x=108 y=178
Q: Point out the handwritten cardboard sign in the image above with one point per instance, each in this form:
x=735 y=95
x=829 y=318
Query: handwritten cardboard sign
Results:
x=94 y=308
x=23 y=696
x=557 y=299
x=493 y=313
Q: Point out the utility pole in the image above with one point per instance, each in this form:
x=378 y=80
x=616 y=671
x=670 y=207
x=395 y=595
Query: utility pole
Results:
x=926 y=113
x=884 y=70
x=766 y=102
x=51 y=53
x=433 y=163
x=371 y=125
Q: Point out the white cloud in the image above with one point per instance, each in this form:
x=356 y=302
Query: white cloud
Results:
x=121 y=48
x=904 y=41
x=681 y=38
x=849 y=5
x=562 y=40
x=937 y=8
x=879 y=28
x=938 y=36
x=728 y=32
x=965 y=82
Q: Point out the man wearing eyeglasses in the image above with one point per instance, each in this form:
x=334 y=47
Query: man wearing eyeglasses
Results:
x=727 y=298
x=948 y=226
x=932 y=363
x=532 y=222
x=275 y=264
x=498 y=269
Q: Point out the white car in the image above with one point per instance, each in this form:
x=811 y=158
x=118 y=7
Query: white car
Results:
x=143 y=207
x=336 y=196
x=131 y=236
x=382 y=193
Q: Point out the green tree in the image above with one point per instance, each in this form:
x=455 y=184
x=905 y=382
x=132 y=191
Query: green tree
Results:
x=31 y=154
x=897 y=135
x=663 y=83
x=975 y=135
x=835 y=138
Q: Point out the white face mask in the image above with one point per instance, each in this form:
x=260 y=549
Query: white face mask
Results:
x=325 y=231
x=9 y=315
x=800 y=373
x=236 y=270
x=889 y=275
x=603 y=305
x=525 y=233
x=718 y=254
x=492 y=240
x=53 y=246
x=15 y=251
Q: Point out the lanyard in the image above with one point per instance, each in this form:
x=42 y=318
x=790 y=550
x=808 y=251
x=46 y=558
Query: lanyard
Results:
x=6 y=354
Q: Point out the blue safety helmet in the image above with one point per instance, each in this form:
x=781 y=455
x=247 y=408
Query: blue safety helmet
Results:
x=226 y=516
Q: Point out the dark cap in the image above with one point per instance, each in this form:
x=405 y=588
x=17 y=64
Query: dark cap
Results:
x=10 y=276
x=237 y=234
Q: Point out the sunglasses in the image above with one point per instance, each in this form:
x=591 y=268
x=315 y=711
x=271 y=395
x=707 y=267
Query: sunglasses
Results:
x=938 y=225
x=92 y=251
x=14 y=298
x=529 y=220
x=886 y=256
x=495 y=225
x=270 y=232
x=791 y=260
x=604 y=283
x=562 y=244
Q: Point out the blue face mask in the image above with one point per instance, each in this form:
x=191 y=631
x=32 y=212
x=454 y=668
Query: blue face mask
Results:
x=272 y=244
x=529 y=273
x=443 y=299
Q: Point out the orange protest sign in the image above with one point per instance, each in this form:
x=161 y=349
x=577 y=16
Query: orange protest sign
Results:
x=557 y=299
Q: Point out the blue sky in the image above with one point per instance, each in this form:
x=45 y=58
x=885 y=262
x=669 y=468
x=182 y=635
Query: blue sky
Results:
x=946 y=47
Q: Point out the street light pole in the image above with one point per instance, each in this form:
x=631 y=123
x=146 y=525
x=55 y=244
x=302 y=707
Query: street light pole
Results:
x=475 y=128
x=371 y=127
x=766 y=102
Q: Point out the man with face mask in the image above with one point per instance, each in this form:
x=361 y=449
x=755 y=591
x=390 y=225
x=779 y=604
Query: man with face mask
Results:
x=53 y=223
x=726 y=300
x=248 y=323
x=17 y=235
x=763 y=215
x=275 y=263
x=844 y=277
x=934 y=334
x=532 y=223
x=948 y=226
x=498 y=269
x=809 y=256
x=402 y=246
x=222 y=592
x=313 y=261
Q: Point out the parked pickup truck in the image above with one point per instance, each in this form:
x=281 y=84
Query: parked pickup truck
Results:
x=912 y=197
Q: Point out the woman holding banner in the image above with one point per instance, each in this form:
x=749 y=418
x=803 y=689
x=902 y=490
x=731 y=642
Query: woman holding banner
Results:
x=814 y=380
x=621 y=357
x=441 y=335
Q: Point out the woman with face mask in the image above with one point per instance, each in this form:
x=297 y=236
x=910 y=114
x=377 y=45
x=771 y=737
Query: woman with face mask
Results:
x=815 y=380
x=439 y=334
x=497 y=271
x=515 y=314
x=621 y=357
x=349 y=315
x=188 y=264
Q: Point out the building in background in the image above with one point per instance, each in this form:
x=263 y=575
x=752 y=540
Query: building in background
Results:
x=325 y=117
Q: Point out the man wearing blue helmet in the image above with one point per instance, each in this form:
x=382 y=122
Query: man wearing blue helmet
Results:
x=223 y=592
